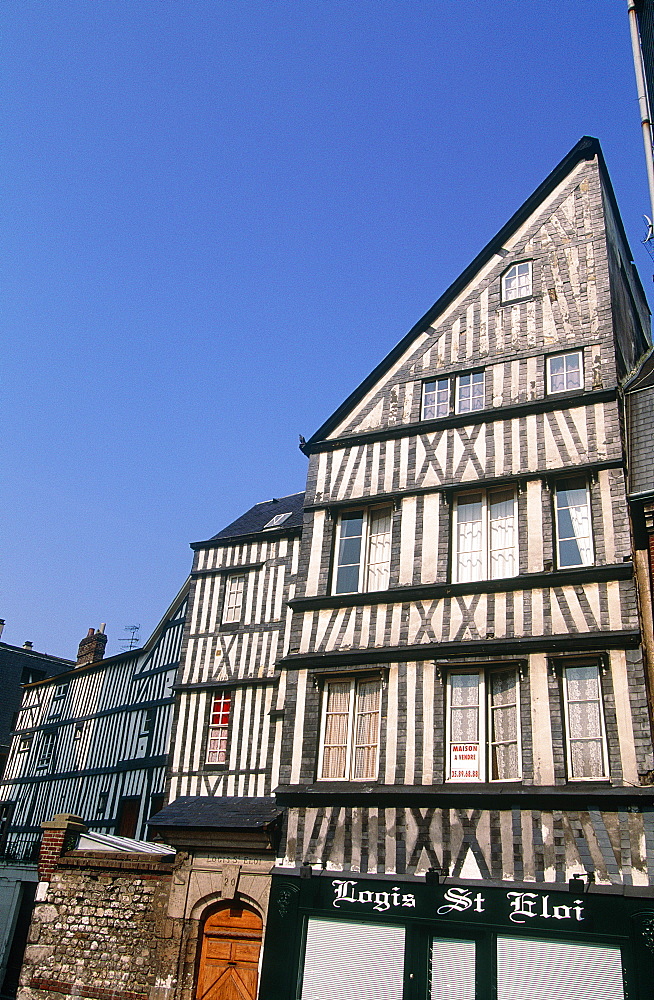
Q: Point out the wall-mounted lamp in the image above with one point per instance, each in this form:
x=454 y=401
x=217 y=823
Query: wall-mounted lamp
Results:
x=306 y=871
x=434 y=876
x=581 y=883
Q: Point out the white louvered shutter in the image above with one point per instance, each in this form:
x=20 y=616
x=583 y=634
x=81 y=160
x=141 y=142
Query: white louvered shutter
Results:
x=536 y=969
x=452 y=969
x=353 y=961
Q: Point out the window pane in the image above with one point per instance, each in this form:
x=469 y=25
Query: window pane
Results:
x=435 y=399
x=469 y=540
x=353 y=961
x=366 y=729
x=573 y=523
x=533 y=969
x=501 y=516
x=337 y=721
x=379 y=549
x=234 y=598
x=584 y=719
x=505 y=763
x=452 y=969
x=349 y=553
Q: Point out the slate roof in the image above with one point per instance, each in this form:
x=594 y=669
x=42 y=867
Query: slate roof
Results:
x=258 y=516
x=220 y=813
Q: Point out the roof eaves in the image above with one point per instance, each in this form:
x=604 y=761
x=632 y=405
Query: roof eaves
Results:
x=586 y=149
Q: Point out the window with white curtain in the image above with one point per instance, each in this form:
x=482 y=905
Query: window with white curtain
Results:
x=565 y=372
x=584 y=722
x=485 y=536
x=234 y=590
x=483 y=725
x=436 y=398
x=470 y=392
x=363 y=551
x=516 y=282
x=349 y=743
x=574 y=533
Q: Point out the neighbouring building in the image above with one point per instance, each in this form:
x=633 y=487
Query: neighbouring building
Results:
x=411 y=754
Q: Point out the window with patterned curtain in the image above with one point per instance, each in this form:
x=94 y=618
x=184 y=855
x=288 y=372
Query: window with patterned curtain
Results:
x=584 y=718
x=349 y=746
x=483 y=725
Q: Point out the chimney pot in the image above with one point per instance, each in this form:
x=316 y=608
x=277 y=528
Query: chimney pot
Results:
x=27 y=645
x=91 y=648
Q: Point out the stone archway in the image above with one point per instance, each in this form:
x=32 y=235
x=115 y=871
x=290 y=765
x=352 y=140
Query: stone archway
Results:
x=229 y=953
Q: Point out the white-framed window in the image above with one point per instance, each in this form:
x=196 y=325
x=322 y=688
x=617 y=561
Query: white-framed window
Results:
x=516 y=282
x=234 y=590
x=574 y=530
x=584 y=722
x=363 y=550
x=25 y=743
x=218 y=735
x=435 y=398
x=147 y=722
x=483 y=725
x=349 y=738
x=485 y=536
x=565 y=372
x=47 y=749
x=470 y=392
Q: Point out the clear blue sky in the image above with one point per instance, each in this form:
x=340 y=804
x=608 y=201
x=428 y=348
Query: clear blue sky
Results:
x=218 y=216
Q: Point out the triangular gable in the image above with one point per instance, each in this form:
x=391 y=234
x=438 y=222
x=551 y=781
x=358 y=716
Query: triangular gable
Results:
x=462 y=326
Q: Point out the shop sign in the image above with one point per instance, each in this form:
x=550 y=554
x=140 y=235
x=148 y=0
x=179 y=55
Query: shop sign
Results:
x=516 y=906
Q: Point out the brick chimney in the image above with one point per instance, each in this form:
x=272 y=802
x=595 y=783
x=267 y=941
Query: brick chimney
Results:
x=91 y=648
x=59 y=836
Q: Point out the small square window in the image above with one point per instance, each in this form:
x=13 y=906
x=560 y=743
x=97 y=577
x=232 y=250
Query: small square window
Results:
x=470 y=392
x=516 y=282
x=24 y=744
x=565 y=372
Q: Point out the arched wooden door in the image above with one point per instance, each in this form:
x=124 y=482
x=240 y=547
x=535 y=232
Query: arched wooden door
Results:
x=229 y=959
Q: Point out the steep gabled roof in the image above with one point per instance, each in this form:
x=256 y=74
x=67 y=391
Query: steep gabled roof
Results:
x=587 y=148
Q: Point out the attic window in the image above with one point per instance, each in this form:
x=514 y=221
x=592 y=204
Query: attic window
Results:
x=278 y=519
x=516 y=282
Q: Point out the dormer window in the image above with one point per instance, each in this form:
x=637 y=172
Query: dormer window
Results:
x=516 y=282
x=278 y=519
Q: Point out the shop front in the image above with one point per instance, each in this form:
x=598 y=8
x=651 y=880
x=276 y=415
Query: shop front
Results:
x=339 y=936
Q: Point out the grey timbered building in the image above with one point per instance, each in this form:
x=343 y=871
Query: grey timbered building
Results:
x=93 y=741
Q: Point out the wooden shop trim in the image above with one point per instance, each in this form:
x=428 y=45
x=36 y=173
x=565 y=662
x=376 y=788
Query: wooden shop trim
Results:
x=469 y=796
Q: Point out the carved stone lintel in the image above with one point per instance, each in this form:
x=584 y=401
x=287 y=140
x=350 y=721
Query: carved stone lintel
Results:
x=229 y=881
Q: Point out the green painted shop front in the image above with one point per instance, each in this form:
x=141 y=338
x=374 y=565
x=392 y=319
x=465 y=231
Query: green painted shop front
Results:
x=338 y=936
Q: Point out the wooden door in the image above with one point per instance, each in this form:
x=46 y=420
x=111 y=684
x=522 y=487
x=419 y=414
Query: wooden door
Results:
x=229 y=959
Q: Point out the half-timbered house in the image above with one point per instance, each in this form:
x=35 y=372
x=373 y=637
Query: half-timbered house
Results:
x=412 y=734
x=454 y=731
x=93 y=741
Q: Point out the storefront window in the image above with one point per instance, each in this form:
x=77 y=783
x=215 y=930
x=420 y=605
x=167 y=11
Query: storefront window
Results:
x=344 y=960
x=533 y=969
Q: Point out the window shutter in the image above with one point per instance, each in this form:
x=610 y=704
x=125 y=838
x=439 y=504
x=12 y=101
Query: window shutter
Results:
x=353 y=961
x=452 y=969
x=535 y=969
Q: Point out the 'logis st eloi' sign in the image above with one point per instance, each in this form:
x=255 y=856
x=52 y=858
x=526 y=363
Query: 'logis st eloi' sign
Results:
x=453 y=902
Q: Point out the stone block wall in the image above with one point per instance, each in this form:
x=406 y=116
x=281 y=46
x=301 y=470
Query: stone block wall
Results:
x=100 y=930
